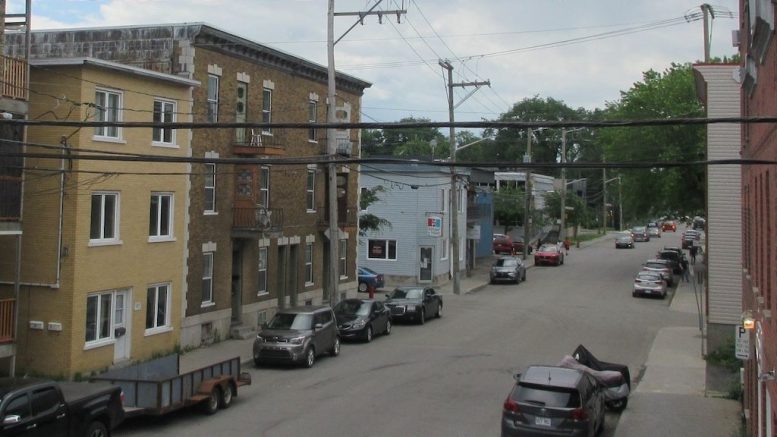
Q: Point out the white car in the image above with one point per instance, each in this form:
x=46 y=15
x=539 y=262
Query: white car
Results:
x=649 y=283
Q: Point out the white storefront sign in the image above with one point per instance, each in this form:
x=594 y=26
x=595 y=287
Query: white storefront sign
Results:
x=743 y=343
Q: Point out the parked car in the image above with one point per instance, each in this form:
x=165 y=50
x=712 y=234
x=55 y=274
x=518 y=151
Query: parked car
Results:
x=508 y=268
x=551 y=400
x=674 y=258
x=679 y=252
x=624 y=240
x=640 y=233
x=649 y=283
x=518 y=245
x=502 y=243
x=414 y=303
x=662 y=267
x=40 y=407
x=654 y=232
x=549 y=254
x=362 y=318
x=298 y=335
x=669 y=225
x=369 y=280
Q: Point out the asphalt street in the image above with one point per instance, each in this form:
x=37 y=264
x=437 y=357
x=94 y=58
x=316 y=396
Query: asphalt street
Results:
x=450 y=376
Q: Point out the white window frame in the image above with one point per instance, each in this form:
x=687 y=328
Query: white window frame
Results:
x=310 y=191
x=208 y=259
x=266 y=110
x=263 y=261
x=362 y=192
x=211 y=188
x=105 y=112
x=445 y=249
x=312 y=117
x=214 y=83
x=444 y=200
x=342 y=253
x=167 y=114
x=386 y=245
x=102 y=239
x=158 y=219
x=264 y=187
x=309 y=264
x=166 y=325
x=108 y=337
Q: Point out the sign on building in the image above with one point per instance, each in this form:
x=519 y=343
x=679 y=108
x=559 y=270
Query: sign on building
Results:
x=434 y=224
x=742 y=343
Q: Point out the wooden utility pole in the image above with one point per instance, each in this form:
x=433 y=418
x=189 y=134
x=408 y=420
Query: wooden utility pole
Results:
x=527 y=198
x=333 y=279
x=454 y=194
x=707 y=10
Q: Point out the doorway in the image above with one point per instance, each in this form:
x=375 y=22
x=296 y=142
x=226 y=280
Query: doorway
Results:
x=425 y=264
x=237 y=282
x=121 y=327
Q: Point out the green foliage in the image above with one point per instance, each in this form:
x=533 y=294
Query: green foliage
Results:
x=725 y=356
x=576 y=216
x=370 y=222
x=509 y=206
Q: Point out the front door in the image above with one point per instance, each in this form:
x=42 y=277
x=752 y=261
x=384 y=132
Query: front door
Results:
x=237 y=283
x=425 y=264
x=121 y=326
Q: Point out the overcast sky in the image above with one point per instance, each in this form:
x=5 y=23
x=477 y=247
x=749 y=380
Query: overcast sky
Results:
x=584 y=52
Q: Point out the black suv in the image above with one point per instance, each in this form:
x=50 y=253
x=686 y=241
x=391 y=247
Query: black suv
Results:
x=298 y=335
x=550 y=400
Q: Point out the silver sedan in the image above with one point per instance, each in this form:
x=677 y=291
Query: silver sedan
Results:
x=650 y=284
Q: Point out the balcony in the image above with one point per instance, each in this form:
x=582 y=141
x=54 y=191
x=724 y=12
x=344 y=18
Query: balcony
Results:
x=256 y=222
x=14 y=78
x=7 y=318
x=252 y=142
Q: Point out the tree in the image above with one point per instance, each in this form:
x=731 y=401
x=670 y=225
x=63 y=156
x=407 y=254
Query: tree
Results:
x=509 y=206
x=370 y=222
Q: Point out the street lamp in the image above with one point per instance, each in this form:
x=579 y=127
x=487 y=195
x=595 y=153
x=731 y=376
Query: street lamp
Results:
x=620 y=203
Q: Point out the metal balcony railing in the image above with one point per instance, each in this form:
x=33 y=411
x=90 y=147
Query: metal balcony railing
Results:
x=257 y=219
x=7 y=320
x=14 y=78
x=254 y=142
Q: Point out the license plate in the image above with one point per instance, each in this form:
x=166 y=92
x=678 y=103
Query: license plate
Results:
x=544 y=421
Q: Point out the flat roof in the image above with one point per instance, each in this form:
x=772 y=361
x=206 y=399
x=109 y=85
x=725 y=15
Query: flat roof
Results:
x=101 y=63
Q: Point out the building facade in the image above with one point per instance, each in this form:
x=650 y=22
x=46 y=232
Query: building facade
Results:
x=758 y=53
x=256 y=237
x=102 y=264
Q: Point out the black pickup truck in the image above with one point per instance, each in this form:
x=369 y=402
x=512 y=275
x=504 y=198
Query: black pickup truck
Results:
x=39 y=407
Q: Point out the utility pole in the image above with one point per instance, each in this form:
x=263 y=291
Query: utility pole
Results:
x=527 y=198
x=707 y=10
x=604 y=199
x=331 y=141
x=620 y=205
x=454 y=194
x=562 y=233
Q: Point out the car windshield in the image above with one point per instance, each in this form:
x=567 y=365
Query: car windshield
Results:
x=624 y=237
x=655 y=266
x=506 y=262
x=290 y=321
x=554 y=397
x=407 y=293
x=638 y=229
x=548 y=248
x=353 y=308
x=645 y=276
x=366 y=271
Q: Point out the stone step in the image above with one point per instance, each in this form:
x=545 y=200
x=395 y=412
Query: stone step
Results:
x=242 y=332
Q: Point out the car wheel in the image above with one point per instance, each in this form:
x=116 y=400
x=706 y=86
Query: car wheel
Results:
x=633 y=294
x=211 y=405
x=226 y=396
x=617 y=405
x=422 y=317
x=97 y=429
x=310 y=357
x=362 y=287
x=257 y=362
x=438 y=314
x=368 y=334
x=388 y=327
x=335 y=351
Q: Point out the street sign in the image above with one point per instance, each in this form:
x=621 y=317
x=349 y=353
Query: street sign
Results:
x=742 y=343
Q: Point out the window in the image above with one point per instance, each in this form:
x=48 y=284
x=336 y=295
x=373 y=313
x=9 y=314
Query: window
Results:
x=213 y=98
x=262 y=288
x=362 y=205
x=343 y=254
x=443 y=200
x=164 y=112
x=382 y=249
x=107 y=104
x=264 y=187
x=312 y=109
x=98 y=317
x=45 y=400
x=210 y=187
x=445 y=248
x=310 y=191
x=309 y=263
x=104 y=217
x=207 y=277
x=19 y=406
x=158 y=306
x=160 y=221
x=241 y=112
x=266 y=110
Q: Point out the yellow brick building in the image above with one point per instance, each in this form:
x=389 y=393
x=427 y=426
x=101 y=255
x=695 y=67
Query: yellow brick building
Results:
x=104 y=249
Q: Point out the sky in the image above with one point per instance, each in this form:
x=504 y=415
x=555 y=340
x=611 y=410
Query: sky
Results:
x=582 y=52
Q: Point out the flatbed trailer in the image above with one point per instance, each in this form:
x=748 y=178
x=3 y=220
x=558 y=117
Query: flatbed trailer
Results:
x=157 y=387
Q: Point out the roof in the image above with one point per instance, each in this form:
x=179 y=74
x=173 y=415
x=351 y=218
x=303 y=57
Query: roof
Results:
x=101 y=63
x=552 y=376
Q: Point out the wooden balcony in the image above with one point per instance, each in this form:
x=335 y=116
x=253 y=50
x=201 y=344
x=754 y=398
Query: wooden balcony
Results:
x=256 y=221
x=252 y=142
x=14 y=78
x=7 y=319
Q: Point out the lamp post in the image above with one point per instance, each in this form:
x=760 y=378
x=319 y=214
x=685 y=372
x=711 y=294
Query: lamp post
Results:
x=620 y=203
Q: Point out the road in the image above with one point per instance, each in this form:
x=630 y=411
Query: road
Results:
x=451 y=376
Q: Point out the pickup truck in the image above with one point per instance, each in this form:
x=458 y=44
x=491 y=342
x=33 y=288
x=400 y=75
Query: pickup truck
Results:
x=39 y=407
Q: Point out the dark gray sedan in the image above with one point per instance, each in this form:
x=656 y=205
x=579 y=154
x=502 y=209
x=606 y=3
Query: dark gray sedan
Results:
x=414 y=303
x=362 y=318
x=508 y=269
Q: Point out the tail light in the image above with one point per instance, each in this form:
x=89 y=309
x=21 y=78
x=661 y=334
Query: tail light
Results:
x=511 y=405
x=579 y=414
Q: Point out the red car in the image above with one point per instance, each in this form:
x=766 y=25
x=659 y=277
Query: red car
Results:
x=549 y=254
x=669 y=225
x=502 y=243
